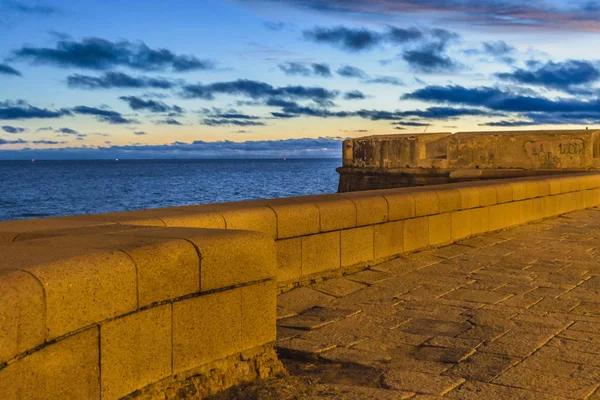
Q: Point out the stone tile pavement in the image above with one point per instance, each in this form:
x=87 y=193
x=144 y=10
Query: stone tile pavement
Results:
x=507 y=315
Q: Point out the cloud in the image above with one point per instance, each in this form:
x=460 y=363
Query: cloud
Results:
x=349 y=71
x=410 y=123
x=8 y=70
x=100 y=54
x=16 y=141
x=256 y=90
x=430 y=56
x=555 y=75
x=345 y=38
x=301 y=69
x=231 y=122
x=27 y=9
x=330 y=147
x=12 y=129
x=49 y=142
x=274 y=26
x=508 y=14
x=110 y=80
x=67 y=131
x=48 y=128
x=137 y=103
x=354 y=95
x=169 y=121
x=112 y=117
x=500 y=51
x=385 y=80
x=21 y=110
x=140 y=133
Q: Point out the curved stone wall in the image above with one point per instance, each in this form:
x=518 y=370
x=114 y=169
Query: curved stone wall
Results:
x=145 y=302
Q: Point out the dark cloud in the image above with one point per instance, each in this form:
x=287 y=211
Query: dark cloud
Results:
x=430 y=56
x=345 y=38
x=313 y=69
x=110 y=80
x=385 y=80
x=49 y=142
x=400 y=36
x=354 y=95
x=306 y=147
x=100 y=54
x=510 y=14
x=67 y=131
x=140 y=133
x=12 y=129
x=231 y=122
x=499 y=50
x=409 y=123
x=8 y=70
x=137 y=103
x=28 y=9
x=16 y=141
x=21 y=110
x=349 y=71
x=257 y=90
x=48 y=128
x=555 y=75
x=274 y=26
x=112 y=117
x=169 y=121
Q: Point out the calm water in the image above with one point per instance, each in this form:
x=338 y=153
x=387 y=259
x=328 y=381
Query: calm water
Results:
x=51 y=188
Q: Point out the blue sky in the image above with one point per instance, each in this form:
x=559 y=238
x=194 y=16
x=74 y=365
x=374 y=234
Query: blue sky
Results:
x=285 y=78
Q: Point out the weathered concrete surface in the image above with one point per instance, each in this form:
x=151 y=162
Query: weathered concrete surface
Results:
x=509 y=315
x=381 y=162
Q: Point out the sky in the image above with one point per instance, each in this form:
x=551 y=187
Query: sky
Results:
x=285 y=78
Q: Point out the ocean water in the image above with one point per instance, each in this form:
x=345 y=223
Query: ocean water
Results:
x=54 y=188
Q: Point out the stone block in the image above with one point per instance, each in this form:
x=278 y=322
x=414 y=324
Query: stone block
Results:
x=388 y=239
x=206 y=329
x=519 y=190
x=479 y=220
x=166 y=269
x=85 y=289
x=260 y=219
x=496 y=219
x=289 y=259
x=512 y=214
x=259 y=311
x=426 y=203
x=568 y=184
x=487 y=195
x=469 y=197
x=416 y=234
x=296 y=220
x=135 y=351
x=440 y=229
x=320 y=253
x=401 y=206
x=592 y=198
x=504 y=192
x=22 y=314
x=207 y=220
x=370 y=210
x=550 y=206
x=336 y=215
x=357 y=246
x=460 y=222
x=543 y=187
x=67 y=369
x=532 y=189
x=227 y=257
x=449 y=200
x=554 y=186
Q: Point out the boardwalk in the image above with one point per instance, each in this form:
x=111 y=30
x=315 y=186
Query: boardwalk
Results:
x=508 y=315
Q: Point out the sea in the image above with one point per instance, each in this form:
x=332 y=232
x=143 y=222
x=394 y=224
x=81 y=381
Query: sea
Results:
x=35 y=189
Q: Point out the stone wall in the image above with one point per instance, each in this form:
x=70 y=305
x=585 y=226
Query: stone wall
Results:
x=177 y=301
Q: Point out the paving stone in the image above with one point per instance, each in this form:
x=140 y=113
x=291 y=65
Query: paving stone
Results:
x=355 y=356
x=477 y=296
x=488 y=391
x=316 y=317
x=368 y=276
x=347 y=392
x=338 y=287
x=482 y=367
x=421 y=383
x=302 y=347
x=301 y=299
x=287 y=333
x=435 y=327
x=442 y=354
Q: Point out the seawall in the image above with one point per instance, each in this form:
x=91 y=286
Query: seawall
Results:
x=181 y=302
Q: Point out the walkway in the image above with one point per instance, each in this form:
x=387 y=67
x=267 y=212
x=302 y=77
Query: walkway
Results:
x=508 y=315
